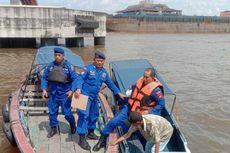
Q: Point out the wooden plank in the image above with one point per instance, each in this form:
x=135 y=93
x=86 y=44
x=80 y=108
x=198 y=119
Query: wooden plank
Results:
x=39 y=129
x=32 y=94
x=33 y=88
x=28 y=109
x=38 y=109
x=35 y=100
x=67 y=142
x=38 y=132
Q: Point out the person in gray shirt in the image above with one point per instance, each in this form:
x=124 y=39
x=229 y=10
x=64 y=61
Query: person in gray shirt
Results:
x=156 y=130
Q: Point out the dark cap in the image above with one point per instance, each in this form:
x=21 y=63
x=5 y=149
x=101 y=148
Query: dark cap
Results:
x=99 y=54
x=58 y=50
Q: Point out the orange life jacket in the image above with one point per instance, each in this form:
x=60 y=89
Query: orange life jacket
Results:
x=139 y=100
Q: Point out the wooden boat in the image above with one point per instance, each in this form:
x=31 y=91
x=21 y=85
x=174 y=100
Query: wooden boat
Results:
x=125 y=73
x=26 y=121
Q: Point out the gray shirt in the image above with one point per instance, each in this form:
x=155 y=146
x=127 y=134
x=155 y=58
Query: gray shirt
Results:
x=156 y=128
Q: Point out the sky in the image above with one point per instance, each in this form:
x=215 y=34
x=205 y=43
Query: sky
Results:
x=188 y=7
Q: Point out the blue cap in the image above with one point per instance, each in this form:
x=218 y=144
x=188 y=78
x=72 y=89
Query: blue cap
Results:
x=99 y=54
x=58 y=50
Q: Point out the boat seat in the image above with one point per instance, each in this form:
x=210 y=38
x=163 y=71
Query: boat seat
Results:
x=33 y=88
x=37 y=109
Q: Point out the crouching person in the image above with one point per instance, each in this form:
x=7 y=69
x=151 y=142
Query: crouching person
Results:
x=156 y=130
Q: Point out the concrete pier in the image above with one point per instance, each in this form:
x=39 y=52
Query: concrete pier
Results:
x=35 y=26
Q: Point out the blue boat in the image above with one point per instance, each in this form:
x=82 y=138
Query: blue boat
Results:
x=25 y=116
x=125 y=73
x=26 y=120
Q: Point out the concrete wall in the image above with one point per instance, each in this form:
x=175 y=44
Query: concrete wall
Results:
x=146 y=26
x=45 y=22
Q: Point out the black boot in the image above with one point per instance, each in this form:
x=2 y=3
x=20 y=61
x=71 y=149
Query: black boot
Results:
x=101 y=143
x=72 y=127
x=92 y=135
x=83 y=143
x=53 y=131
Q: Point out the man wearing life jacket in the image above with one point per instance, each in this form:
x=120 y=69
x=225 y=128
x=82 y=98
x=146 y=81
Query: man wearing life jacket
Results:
x=146 y=98
x=147 y=94
x=60 y=75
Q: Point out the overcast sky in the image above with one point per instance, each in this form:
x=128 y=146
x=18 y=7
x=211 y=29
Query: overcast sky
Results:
x=188 y=7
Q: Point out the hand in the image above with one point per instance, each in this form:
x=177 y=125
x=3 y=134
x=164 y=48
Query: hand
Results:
x=112 y=143
x=122 y=96
x=44 y=94
x=77 y=92
x=69 y=93
x=145 y=112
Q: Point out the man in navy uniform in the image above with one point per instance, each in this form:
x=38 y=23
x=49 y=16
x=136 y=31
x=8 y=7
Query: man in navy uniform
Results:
x=89 y=84
x=60 y=74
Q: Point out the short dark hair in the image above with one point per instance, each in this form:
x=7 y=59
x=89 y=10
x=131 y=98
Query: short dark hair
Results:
x=134 y=117
x=152 y=72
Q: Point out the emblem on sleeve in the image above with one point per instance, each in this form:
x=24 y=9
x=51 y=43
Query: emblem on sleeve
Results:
x=103 y=75
x=159 y=94
x=83 y=70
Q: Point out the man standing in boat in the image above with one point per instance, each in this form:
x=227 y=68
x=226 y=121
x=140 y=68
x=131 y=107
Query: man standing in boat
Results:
x=60 y=75
x=147 y=97
x=92 y=77
x=156 y=130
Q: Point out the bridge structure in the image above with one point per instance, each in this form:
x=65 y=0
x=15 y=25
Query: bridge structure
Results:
x=31 y=25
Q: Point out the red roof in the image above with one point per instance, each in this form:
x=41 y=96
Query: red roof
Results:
x=29 y=2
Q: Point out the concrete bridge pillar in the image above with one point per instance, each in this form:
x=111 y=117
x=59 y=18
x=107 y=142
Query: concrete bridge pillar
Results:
x=74 y=42
x=48 y=41
x=99 y=41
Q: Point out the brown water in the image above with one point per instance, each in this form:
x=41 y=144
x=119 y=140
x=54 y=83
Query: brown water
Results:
x=195 y=66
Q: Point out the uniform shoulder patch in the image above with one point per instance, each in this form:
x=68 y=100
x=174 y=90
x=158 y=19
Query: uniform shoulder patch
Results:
x=71 y=67
x=159 y=94
x=84 y=69
x=103 y=75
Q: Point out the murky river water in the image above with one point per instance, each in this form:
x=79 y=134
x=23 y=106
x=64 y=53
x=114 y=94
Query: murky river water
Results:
x=195 y=66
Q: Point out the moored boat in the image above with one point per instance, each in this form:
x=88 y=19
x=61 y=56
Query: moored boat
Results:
x=125 y=73
x=26 y=120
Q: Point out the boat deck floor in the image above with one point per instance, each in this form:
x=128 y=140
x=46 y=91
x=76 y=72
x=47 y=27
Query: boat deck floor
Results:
x=64 y=142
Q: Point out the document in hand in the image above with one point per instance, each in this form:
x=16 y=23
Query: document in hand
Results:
x=80 y=102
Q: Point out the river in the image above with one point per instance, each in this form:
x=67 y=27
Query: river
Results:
x=195 y=66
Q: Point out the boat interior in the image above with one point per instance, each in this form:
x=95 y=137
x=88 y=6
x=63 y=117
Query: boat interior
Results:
x=35 y=119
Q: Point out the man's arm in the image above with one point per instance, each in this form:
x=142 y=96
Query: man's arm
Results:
x=125 y=136
x=113 y=87
x=44 y=78
x=44 y=82
x=157 y=146
x=74 y=77
x=158 y=96
x=77 y=85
